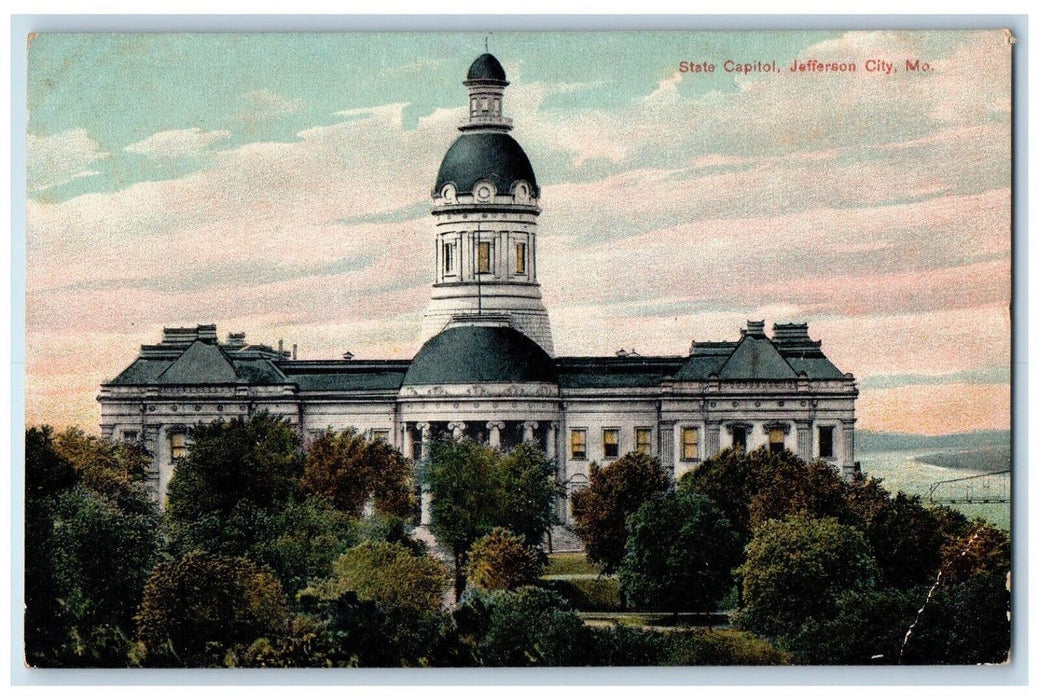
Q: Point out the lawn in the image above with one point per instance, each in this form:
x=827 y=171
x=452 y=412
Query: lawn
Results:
x=569 y=564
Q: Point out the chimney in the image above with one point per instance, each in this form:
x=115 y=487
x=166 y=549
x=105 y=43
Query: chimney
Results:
x=755 y=329
x=293 y=351
x=281 y=346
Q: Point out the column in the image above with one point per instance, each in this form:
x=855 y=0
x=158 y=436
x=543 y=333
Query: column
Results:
x=550 y=447
x=849 y=443
x=457 y=430
x=494 y=428
x=408 y=443
x=805 y=449
x=713 y=443
x=425 y=499
x=528 y=430
x=422 y=450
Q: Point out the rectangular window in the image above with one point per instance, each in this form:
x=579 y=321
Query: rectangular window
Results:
x=739 y=437
x=521 y=258
x=826 y=441
x=129 y=436
x=449 y=258
x=578 y=448
x=643 y=438
x=178 y=445
x=690 y=444
x=383 y=435
x=610 y=443
x=483 y=257
x=776 y=439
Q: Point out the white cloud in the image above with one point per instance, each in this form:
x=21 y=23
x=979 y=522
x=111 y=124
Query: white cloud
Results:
x=61 y=158
x=265 y=104
x=178 y=143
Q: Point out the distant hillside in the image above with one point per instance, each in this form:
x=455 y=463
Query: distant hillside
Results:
x=870 y=441
x=993 y=458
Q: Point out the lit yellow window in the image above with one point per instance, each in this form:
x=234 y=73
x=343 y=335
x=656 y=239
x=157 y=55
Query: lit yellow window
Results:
x=521 y=258
x=610 y=443
x=578 y=449
x=643 y=436
x=178 y=445
x=776 y=439
x=690 y=444
x=483 y=257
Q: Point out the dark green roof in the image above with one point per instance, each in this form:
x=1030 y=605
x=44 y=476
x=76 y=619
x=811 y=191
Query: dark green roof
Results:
x=464 y=354
x=346 y=375
x=493 y=156
x=615 y=372
x=487 y=68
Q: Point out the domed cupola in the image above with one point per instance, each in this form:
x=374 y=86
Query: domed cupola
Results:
x=485 y=203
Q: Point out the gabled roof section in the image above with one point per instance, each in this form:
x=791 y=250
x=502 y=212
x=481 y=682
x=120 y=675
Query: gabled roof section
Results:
x=788 y=354
x=706 y=360
x=756 y=358
x=201 y=363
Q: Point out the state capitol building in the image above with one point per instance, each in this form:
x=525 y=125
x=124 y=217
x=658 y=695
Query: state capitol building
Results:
x=487 y=370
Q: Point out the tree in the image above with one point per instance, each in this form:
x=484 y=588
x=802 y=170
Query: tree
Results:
x=465 y=485
x=868 y=626
x=526 y=627
x=475 y=488
x=796 y=568
x=789 y=485
x=501 y=560
x=350 y=471
x=983 y=549
x=679 y=555
x=256 y=460
x=91 y=535
x=389 y=575
x=102 y=556
x=529 y=493
x=198 y=607
x=614 y=493
x=305 y=539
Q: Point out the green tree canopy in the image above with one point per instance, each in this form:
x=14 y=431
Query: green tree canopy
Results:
x=475 y=488
x=349 y=471
x=796 y=568
x=754 y=487
x=614 y=493
x=680 y=554
x=91 y=540
x=256 y=460
x=390 y=575
x=526 y=627
x=197 y=607
x=501 y=560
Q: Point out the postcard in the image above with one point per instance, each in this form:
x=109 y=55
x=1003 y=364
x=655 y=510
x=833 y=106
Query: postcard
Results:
x=522 y=349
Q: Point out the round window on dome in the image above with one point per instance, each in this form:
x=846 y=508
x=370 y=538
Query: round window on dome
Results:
x=448 y=193
x=484 y=191
x=522 y=192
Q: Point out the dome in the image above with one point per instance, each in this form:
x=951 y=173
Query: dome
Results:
x=494 y=156
x=486 y=67
x=470 y=354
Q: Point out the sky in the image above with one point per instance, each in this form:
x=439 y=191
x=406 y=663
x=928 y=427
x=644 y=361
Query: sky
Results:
x=279 y=184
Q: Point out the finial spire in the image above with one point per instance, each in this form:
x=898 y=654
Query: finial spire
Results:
x=486 y=48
